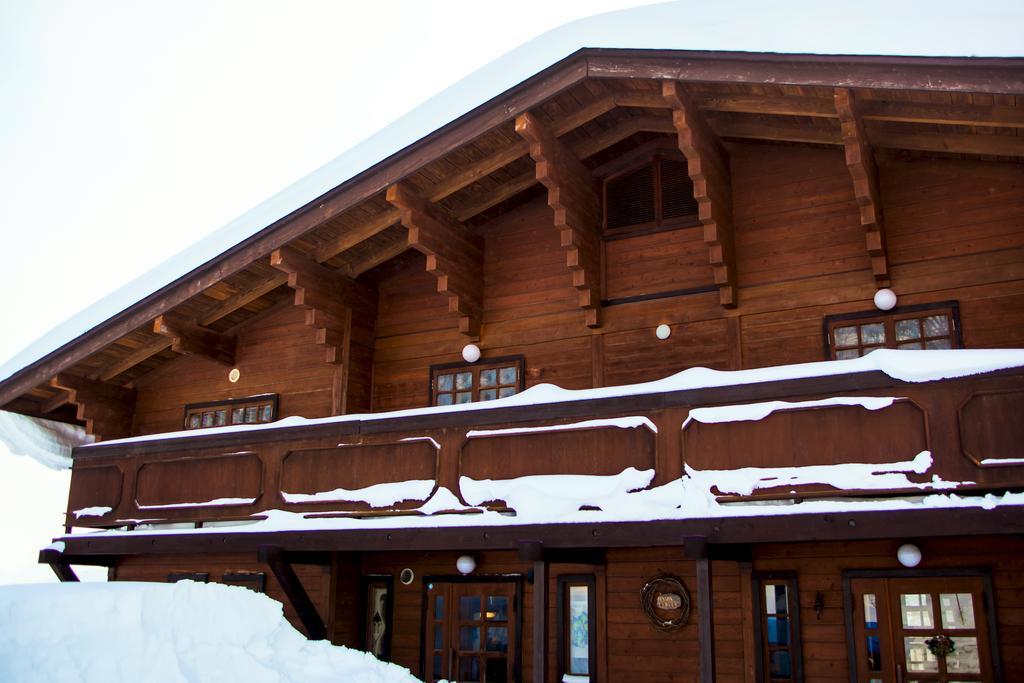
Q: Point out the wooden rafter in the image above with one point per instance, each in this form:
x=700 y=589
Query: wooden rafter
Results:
x=861 y=162
x=106 y=408
x=326 y=297
x=189 y=338
x=708 y=166
x=454 y=254
x=573 y=195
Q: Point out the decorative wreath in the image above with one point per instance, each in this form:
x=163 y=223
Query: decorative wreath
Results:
x=940 y=645
x=666 y=602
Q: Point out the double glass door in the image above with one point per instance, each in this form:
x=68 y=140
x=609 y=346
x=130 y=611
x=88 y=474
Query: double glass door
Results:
x=911 y=630
x=470 y=631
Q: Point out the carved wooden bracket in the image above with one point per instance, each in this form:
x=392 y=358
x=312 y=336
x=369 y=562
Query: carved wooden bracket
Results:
x=708 y=164
x=861 y=162
x=454 y=255
x=106 y=408
x=189 y=338
x=326 y=297
x=574 y=197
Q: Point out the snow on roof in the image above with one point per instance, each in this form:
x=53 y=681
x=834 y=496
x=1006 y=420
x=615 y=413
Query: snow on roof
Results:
x=904 y=365
x=184 y=632
x=877 y=27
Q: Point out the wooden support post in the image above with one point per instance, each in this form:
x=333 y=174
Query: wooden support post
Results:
x=59 y=564
x=861 y=162
x=707 y=162
x=454 y=255
x=106 y=408
x=533 y=551
x=574 y=197
x=190 y=338
x=273 y=557
x=696 y=548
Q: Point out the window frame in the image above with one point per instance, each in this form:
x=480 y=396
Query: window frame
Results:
x=565 y=582
x=519 y=361
x=659 y=224
x=888 y=318
x=758 y=581
x=228 y=405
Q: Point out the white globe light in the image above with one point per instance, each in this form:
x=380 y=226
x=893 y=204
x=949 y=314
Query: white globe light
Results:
x=465 y=564
x=471 y=353
x=885 y=299
x=909 y=555
x=663 y=331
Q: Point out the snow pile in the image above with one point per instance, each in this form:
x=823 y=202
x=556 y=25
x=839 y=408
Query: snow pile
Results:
x=377 y=495
x=178 y=633
x=47 y=441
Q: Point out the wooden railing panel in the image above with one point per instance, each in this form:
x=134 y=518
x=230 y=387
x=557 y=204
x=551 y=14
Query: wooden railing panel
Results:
x=184 y=482
x=94 y=487
x=992 y=428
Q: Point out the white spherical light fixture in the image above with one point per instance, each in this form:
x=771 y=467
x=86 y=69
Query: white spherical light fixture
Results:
x=465 y=564
x=885 y=299
x=909 y=555
x=471 y=353
x=663 y=331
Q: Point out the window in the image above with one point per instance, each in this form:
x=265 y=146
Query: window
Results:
x=658 y=194
x=251 y=410
x=577 y=629
x=378 y=610
x=911 y=327
x=777 y=627
x=481 y=381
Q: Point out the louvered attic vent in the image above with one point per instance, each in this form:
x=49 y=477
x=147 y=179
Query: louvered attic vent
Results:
x=655 y=195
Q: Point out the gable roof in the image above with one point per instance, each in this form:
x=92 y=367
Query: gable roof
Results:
x=721 y=42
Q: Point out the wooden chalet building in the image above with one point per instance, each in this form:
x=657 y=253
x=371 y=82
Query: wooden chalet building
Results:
x=618 y=217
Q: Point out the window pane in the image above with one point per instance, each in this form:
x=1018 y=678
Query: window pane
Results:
x=936 y=326
x=910 y=345
x=437 y=666
x=496 y=670
x=469 y=608
x=488 y=394
x=469 y=669
x=464 y=397
x=778 y=631
x=251 y=414
x=508 y=376
x=846 y=336
x=438 y=637
x=469 y=638
x=464 y=380
x=874 y=647
x=868 y=349
x=444 y=399
x=488 y=378
x=506 y=391
x=237 y=416
x=775 y=598
x=497 y=639
x=378 y=626
x=779 y=664
x=194 y=420
x=957 y=610
x=938 y=344
x=439 y=607
x=907 y=329
x=872 y=333
x=918 y=656
x=964 y=659
x=579 y=630
x=847 y=354
x=266 y=413
x=221 y=418
x=870 y=611
x=497 y=608
x=208 y=419
x=444 y=382
x=916 y=609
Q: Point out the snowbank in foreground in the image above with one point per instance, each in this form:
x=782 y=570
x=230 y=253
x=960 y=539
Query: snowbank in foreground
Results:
x=175 y=633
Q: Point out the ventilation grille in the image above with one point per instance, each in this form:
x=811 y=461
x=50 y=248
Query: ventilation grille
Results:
x=629 y=200
x=676 y=190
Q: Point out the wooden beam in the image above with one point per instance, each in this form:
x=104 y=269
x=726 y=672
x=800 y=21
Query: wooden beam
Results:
x=242 y=298
x=382 y=255
x=59 y=564
x=454 y=254
x=61 y=398
x=189 y=338
x=574 y=198
x=105 y=408
x=861 y=162
x=274 y=557
x=705 y=608
x=112 y=370
x=540 y=620
x=708 y=165
x=327 y=297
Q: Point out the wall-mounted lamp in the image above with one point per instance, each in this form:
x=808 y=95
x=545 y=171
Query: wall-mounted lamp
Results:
x=909 y=555
x=663 y=331
x=471 y=353
x=885 y=299
x=234 y=375
x=465 y=564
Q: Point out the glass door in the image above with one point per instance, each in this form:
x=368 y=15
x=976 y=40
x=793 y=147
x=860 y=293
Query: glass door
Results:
x=913 y=630
x=470 y=630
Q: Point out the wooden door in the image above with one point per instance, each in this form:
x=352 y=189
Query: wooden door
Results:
x=471 y=632
x=895 y=618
